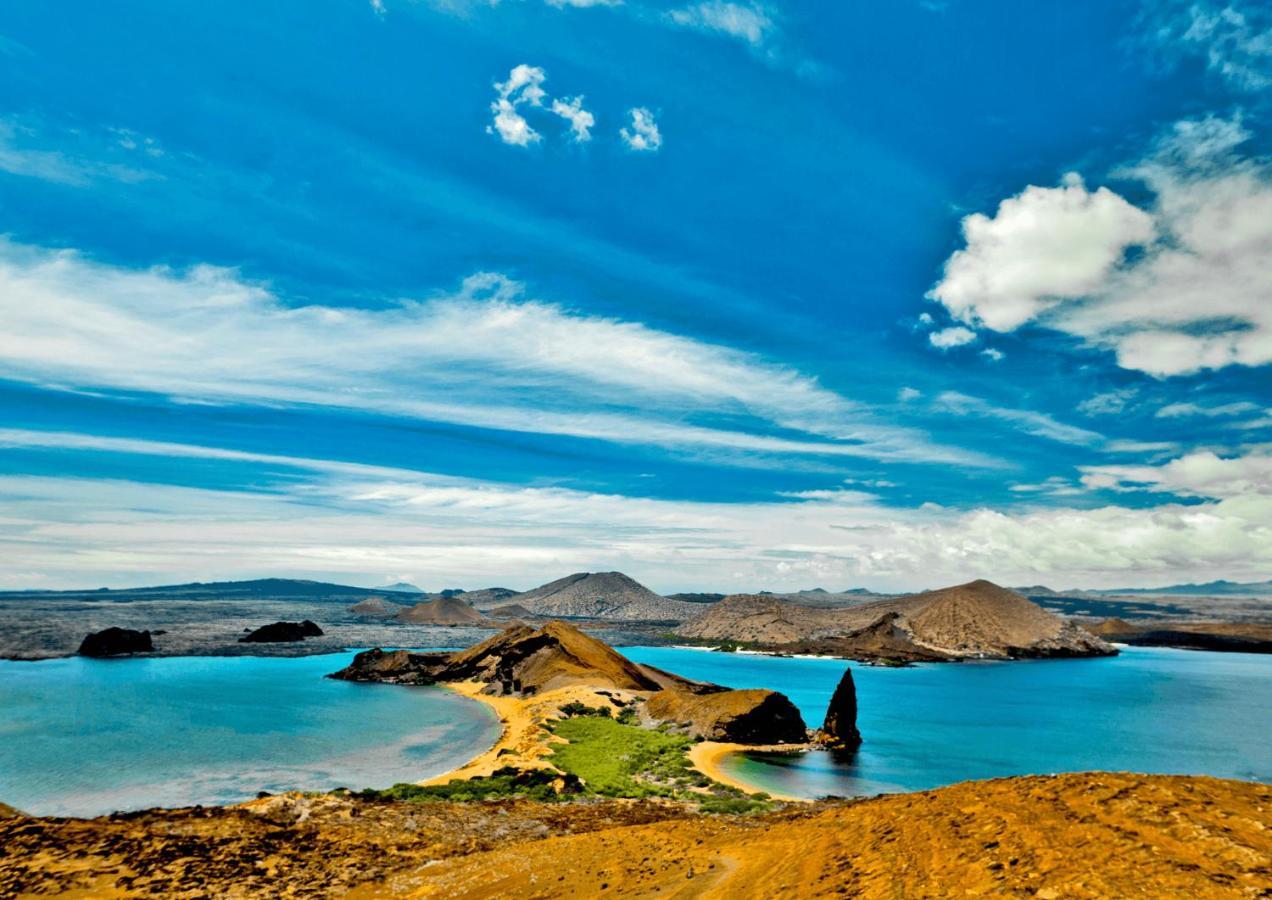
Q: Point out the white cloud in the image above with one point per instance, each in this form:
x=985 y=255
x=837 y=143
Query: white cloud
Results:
x=523 y=87
x=1026 y=420
x=1040 y=247
x=956 y=336
x=18 y=157
x=1235 y=40
x=581 y=121
x=1195 y=298
x=993 y=354
x=1189 y=410
x=1108 y=403
x=484 y=356
x=351 y=522
x=643 y=134
x=750 y=23
x=906 y=394
x=1200 y=474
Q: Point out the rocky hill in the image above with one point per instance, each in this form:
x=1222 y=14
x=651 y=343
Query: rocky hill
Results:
x=978 y=619
x=442 y=611
x=486 y=598
x=525 y=662
x=604 y=595
x=375 y=608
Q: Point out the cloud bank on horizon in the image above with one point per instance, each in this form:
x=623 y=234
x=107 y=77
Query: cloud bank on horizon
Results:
x=729 y=295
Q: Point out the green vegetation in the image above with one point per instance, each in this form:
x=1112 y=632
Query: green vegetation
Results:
x=614 y=759
x=605 y=757
x=532 y=784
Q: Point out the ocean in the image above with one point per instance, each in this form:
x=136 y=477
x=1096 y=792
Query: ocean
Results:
x=85 y=737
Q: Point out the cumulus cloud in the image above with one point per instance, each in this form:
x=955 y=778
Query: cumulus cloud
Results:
x=992 y=354
x=484 y=356
x=351 y=521
x=1040 y=247
x=581 y=121
x=956 y=336
x=523 y=87
x=750 y=23
x=1193 y=296
x=643 y=136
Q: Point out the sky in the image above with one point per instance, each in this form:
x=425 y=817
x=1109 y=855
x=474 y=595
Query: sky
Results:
x=727 y=295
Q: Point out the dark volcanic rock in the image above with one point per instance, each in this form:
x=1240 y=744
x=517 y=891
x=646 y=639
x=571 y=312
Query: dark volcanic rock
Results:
x=740 y=717
x=393 y=667
x=840 y=727
x=282 y=632
x=116 y=642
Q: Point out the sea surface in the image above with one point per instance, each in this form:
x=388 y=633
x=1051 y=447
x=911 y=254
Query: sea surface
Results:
x=85 y=737
x=1146 y=710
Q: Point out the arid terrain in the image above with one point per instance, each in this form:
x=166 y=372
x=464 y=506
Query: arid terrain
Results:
x=1084 y=835
x=978 y=619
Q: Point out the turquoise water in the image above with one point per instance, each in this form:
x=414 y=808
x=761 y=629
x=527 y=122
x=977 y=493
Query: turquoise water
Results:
x=84 y=737
x=1147 y=710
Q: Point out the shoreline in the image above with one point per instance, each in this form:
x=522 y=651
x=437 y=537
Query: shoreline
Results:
x=523 y=742
x=708 y=756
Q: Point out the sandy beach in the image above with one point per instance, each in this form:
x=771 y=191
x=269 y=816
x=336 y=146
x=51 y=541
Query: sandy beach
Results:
x=707 y=757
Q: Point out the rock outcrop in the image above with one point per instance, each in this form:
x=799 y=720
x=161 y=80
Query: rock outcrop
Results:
x=974 y=620
x=116 y=642
x=740 y=717
x=840 y=726
x=282 y=632
x=1232 y=637
x=447 y=611
x=604 y=595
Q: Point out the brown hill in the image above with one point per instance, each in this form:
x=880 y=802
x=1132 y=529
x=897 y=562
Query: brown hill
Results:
x=442 y=611
x=375 y=607
x=484 y=598
x=978 y=619
x=604 y=595
x=524 y=662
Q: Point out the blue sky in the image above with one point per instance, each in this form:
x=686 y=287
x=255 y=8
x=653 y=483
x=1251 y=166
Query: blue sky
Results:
x=727 y=295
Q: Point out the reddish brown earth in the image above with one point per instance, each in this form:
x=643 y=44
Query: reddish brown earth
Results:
x=1082 y=835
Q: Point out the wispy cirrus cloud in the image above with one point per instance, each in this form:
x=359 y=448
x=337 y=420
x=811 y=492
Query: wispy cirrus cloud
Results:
x=1029 y=421
x=351 y=522
x=485 y=356
x=1234 y=38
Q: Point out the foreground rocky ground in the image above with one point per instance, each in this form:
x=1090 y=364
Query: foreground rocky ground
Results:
x=1083 y=835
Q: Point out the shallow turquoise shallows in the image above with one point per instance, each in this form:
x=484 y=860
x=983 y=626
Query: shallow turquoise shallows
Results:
x=1147 y=710
x=84 y=737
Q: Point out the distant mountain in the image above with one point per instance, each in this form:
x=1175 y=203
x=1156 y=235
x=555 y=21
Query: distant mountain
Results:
x=402 y=587
x=486 y=598
x=604 y=595
x=978 y=619
x=260 y=588
x=696 y=597
x=442 y=611
x=1210 y=588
